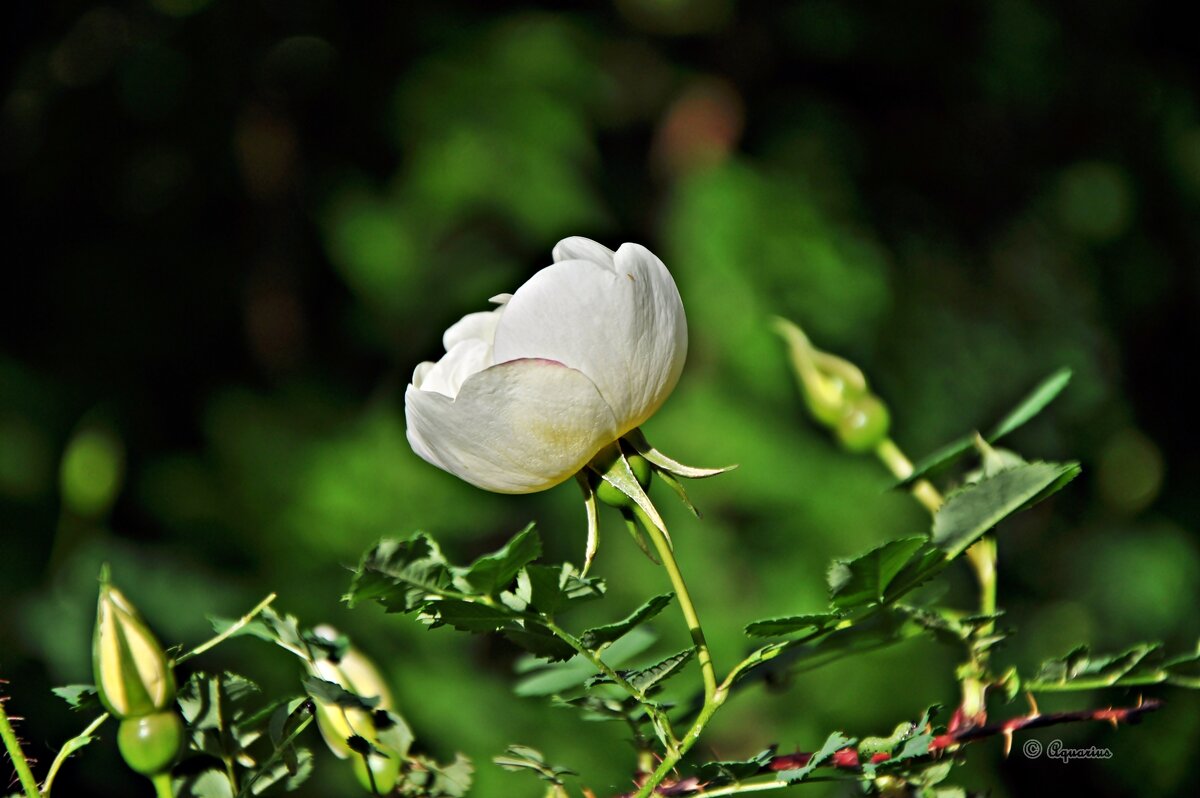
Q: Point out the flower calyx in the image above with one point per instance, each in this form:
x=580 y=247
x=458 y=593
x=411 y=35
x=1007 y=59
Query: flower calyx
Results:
x=620 y=476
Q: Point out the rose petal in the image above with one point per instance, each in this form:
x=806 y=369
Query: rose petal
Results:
x=448 y=374
x=474 y=326
x=519 y=427
x=621 y=325
x=579 y=248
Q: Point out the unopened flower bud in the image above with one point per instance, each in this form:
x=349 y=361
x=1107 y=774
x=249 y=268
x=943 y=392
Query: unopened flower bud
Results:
x=133 y=674
x=836 y=392
x=377 y=740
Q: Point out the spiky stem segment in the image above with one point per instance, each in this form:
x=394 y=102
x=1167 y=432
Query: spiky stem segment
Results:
x=20 y=764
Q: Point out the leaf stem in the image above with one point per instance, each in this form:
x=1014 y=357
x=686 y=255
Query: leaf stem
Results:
x=20 y=763
x=65 y=752
x=233 y=629
x=662 y=725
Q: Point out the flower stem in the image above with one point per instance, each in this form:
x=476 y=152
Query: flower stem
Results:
x=714 y=696
x=20 y=763
x=162 y=785
x=667 y=555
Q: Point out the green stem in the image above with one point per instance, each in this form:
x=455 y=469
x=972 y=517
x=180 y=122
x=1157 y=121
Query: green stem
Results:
x=20 y=763
x=667 y=555
x=65 y=752
x=714 y=696
x=162 y=785
x=233 y=629
x=981 y=556
x=662 y=725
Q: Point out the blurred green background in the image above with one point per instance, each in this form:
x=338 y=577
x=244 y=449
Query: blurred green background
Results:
x=235 y=227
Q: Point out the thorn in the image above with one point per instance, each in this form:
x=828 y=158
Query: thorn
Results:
x=1033 y=707
x=1112 y=718
x=1008 y=741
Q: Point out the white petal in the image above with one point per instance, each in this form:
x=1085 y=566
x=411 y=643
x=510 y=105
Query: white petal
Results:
x=448 y=374
x=519 y=427
x=474 y=326
x=623 y=327
x=579 y=248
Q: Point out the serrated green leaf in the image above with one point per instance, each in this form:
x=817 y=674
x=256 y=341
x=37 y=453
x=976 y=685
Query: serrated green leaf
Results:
x=792 y=625
x=425 y=778
x=600 y=635
x=725 y=772
x=494 y=572
x=883 y=574
x=549 y=589
x=470 y=616
x=522 y=757
x=331 y=693
x=645 y=679
x=833 y=743
x=540 y=641
x=972 y=511
x=1033 y=403
x=400 y=574
x=1139 y=665
x=551 y=678
x=80 y=697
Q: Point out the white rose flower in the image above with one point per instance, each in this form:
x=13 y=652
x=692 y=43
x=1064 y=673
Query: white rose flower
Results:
x=527 y=394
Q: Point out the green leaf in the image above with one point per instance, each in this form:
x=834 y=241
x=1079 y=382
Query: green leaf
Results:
x=972 y=511
x=522 y=757
x=80 y=697
x=716 y=773
x=833 y=743
x=798 y=625
x=883 y=574
x=537 y=639
x=400 y=574
x=645 y=679
x=1142 y=664
x=549 y=589
x=210 y=783
x=335 y=694
x=1036 y=401
x=600 y=635
x=469 y=616
x=493 y=572
x=551 y=678
x=425 y=778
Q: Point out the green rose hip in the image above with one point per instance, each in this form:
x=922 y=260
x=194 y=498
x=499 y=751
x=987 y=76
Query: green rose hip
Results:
x=151 y=743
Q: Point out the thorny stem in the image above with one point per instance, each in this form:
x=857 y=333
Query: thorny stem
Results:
x=982 y=557
x=20 y=763
x=848 y=759
x=714 y=696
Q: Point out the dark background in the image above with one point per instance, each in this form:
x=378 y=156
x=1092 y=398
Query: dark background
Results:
x=235 y=227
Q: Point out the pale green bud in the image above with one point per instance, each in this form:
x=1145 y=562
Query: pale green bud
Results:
x=133 y=674
x=385 y=737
